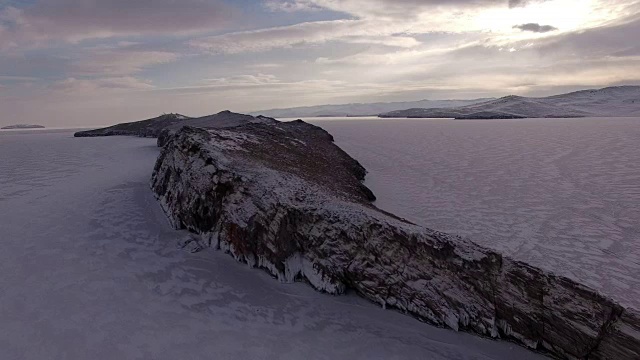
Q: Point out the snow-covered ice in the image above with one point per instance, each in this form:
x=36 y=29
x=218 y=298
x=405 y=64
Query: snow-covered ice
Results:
x=91 y=269
x=563 y=194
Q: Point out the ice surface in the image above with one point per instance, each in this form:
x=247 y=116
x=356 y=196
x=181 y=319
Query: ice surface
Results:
x=563 y=194
x=91 y=269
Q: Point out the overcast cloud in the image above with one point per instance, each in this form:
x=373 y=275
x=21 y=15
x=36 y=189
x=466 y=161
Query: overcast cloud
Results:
x=93 y=62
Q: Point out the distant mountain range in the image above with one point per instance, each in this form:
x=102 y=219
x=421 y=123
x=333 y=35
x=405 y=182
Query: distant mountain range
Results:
x=372 y=109
x=616 y=101
x=611 y=101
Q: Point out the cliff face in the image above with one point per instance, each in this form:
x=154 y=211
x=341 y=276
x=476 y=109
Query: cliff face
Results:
x=284 y=198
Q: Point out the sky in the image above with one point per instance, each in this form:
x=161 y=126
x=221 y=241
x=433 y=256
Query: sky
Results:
x=99 y=62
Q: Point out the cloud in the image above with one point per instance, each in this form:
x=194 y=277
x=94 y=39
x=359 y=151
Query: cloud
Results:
x=89 y=87
x=601 y=42
x=318 y=32
x=399 y=23
x=75 y=20
x=239 y=81
x=345 y=5
x=390 y=8
x=118 y=62
x=336 y=51
x=537 y=28
x=290 y=6
x=383 y=9
x=523 y=3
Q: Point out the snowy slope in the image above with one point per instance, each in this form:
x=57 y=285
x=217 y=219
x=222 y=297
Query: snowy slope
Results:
x=613 y=102
x=361 y=109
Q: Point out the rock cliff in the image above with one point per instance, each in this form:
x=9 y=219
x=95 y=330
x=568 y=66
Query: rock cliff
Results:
x=284 y=198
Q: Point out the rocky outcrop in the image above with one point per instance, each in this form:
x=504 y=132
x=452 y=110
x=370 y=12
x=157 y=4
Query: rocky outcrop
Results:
x=162 y=126
x=145 y=128
x=284 y=198
x=221 y=120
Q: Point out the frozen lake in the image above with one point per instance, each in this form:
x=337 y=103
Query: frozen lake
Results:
x=89 y=269
x=563 y=194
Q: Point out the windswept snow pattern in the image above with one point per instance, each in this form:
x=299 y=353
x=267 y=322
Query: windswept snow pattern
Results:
x=91 y=269
x=562 y=194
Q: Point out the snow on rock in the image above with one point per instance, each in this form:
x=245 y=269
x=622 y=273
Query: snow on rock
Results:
x=221 y=120
x=298 y=210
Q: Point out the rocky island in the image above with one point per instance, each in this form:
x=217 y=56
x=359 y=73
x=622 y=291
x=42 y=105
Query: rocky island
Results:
x=22 y=126
x=166 y=124
x=284 y=198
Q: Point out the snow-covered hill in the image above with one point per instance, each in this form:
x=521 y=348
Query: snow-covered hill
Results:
x=612 y=101
x=358 y=109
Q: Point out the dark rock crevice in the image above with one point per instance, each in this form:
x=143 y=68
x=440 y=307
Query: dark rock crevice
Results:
x=605 y=331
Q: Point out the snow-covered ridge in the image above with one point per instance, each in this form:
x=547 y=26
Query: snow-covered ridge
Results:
x=612 y=102
x=359 y=109
x=284 y=198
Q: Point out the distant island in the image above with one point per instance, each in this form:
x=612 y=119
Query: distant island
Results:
x=22 y=126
